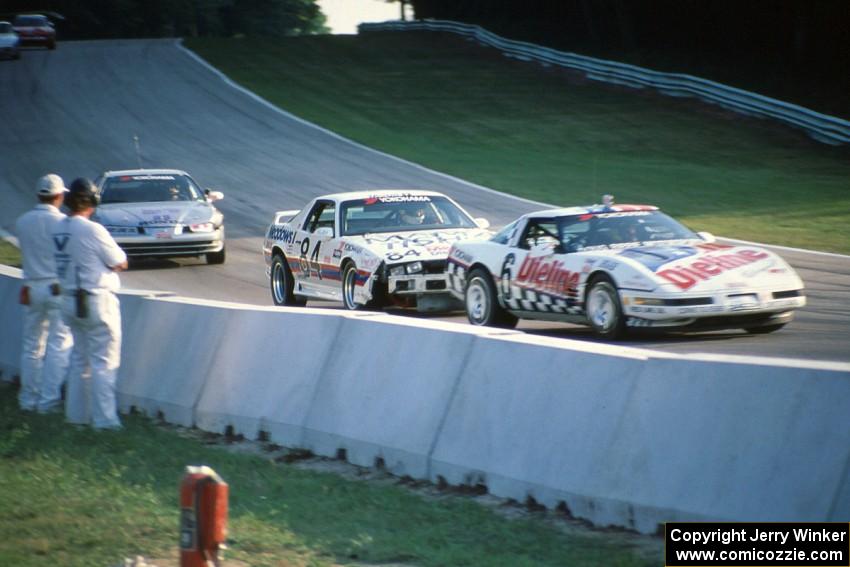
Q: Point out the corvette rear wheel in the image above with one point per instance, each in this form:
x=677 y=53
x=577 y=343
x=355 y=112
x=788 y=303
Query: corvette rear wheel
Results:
x=282 y=283
x=604 y=312
x=482 y=302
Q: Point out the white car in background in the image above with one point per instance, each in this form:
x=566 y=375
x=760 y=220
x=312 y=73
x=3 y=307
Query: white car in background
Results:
x=368 y=249
x=615 y=267
x=9 y=42
x=161 y=213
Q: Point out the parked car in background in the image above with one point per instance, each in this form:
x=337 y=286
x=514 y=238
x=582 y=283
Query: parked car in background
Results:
x=161 y=213
x=35 y=29
x=617 y=267
x=9 y=42
x=368 y=249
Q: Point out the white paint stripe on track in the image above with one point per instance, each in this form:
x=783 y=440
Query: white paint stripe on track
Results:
x=8 y=237
x=789 y=249
x=279 y=110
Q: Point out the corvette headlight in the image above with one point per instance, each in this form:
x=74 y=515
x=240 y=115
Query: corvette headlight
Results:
x=414 y=267
x=648 y=301
x=202 y=227
x=397 y=271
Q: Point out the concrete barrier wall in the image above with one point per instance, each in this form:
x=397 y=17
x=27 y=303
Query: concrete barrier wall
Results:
x=383 y=392
x=632 y=442
x=11 y=323
x=618 y=436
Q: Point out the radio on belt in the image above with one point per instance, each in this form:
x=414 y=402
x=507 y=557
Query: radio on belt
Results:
x=203 y=517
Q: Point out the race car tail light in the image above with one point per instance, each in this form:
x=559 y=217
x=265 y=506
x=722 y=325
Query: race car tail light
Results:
x=787 y=294
x=414 y=267
x=397 y=271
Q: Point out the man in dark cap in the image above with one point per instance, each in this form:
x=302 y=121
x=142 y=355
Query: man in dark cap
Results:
x=88 y=261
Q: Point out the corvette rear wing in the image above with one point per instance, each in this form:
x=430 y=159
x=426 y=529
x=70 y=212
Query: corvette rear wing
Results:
x=282 y=216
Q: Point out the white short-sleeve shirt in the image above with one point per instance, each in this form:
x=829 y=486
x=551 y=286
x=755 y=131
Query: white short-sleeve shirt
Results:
x=35 y=235
x=85 y=253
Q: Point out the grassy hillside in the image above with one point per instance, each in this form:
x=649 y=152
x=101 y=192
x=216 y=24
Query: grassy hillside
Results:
x=552 y=136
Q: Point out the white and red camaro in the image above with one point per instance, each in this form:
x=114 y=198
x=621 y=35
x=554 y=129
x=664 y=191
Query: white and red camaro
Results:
x=615 y=267
x=368 y=249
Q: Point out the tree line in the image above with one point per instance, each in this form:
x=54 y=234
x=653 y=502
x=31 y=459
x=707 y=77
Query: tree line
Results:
x=174 y=18
x=793 y=31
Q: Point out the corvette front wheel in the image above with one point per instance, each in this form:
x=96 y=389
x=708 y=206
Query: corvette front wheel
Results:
x=604 y=312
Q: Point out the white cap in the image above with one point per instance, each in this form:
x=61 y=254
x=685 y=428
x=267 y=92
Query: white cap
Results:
x=50 y=185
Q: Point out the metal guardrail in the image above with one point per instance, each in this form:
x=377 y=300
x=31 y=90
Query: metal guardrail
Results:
x=821 y=127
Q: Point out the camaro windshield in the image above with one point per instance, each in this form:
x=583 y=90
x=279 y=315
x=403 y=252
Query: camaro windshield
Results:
x=395 y=213
x=149 y=189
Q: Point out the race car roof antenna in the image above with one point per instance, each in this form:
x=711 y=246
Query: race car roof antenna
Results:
x=138 y=150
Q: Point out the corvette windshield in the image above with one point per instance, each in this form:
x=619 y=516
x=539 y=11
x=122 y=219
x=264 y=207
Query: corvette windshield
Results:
x=149 y=189
x=615 y=229
x=396 y=213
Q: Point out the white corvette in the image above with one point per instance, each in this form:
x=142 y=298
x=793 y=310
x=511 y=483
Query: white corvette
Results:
x=368 y=249
x=615 y=267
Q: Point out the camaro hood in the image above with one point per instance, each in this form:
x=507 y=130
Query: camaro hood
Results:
x=710 y=267
x=154 y=214
x=416 y=245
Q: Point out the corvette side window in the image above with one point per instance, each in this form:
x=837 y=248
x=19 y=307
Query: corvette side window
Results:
x=322 y=215
x=540 y=232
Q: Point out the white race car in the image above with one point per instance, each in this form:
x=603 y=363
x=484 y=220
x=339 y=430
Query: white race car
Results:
x=368 y=249
x=160 y=213
x=615 y=267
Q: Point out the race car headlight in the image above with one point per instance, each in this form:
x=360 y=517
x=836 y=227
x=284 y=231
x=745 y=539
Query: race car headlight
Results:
x=202 y=227
x=414 y=267
x=648 y=301
x=397 y=271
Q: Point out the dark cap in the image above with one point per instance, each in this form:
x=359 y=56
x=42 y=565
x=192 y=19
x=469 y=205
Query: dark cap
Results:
x=82 y=193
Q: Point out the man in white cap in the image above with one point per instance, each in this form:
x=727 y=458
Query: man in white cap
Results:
x=88 y=261
x=47 y=340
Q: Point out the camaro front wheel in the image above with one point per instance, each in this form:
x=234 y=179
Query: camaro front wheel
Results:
x=604 y=312
x=482 y=302
x=349 y=285
x=282 y=284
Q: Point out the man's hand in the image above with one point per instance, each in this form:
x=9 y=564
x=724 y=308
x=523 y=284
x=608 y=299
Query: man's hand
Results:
x=119 y=267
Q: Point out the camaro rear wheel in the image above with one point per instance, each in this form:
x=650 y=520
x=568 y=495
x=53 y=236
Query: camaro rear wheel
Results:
x=282 y=284
x=482 y=302
x=604 y=312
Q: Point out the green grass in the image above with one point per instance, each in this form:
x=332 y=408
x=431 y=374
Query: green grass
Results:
x=9 y=254
x=75 y=497
x=551 y=136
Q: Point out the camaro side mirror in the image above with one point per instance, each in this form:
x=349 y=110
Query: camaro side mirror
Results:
x=482 y=222
x=707 y=236
x=324 y=231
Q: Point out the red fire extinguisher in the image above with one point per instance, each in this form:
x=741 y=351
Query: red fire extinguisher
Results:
x=203 y=517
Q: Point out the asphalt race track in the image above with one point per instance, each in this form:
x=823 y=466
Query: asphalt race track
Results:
x=75 y=111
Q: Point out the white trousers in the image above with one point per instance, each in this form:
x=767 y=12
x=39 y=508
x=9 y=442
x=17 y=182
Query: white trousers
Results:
x=95 y=358
x=45 y=350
